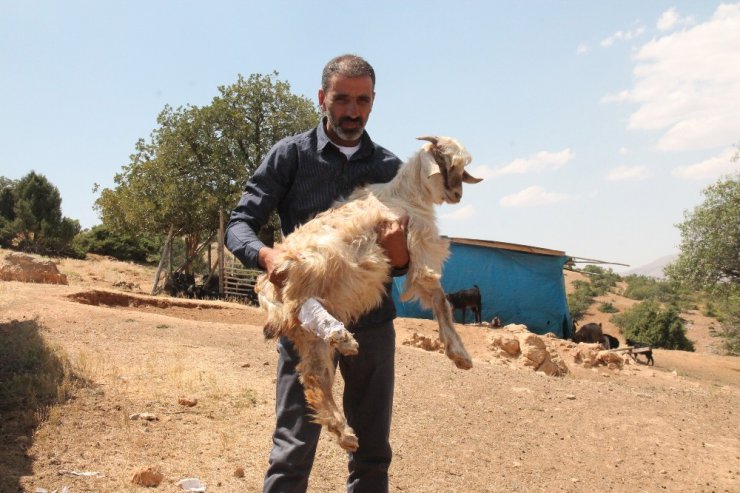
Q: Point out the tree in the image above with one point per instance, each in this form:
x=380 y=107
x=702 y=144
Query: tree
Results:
x=194 y=165
x=710 y=253
x=710 y=239
x=32 y=213
x=7 y=215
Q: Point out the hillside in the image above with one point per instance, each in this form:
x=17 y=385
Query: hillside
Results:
x=499 y=427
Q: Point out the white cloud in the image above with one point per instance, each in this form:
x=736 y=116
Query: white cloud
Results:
x=687 y=85
x=583 y=48
x=628 y=173
x=711 y=168
x=532 y=196
x=541 y=161
x=620 y=97
x=623 y=151
x=464 y=212
x=622 y=36
x=671 y=19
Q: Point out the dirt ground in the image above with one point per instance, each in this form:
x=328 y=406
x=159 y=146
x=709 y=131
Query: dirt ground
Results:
x=499 y=427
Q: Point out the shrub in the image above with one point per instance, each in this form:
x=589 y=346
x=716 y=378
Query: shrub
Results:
x=602 y=280
x=104 y=241
x=649 y=323
x=607 y=307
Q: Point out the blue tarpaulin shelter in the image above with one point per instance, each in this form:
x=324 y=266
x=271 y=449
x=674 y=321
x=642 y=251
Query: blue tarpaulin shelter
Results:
x=518 y=284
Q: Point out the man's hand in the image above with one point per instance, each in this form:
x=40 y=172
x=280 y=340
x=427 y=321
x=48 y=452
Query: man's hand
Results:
x=268 y=261
x=392 y=238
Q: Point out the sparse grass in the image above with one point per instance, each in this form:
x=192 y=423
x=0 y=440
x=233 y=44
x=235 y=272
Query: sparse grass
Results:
x=33 y=375
x=246 y=398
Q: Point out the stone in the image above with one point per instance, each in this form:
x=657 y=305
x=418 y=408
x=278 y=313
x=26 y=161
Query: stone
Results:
x=148 y=476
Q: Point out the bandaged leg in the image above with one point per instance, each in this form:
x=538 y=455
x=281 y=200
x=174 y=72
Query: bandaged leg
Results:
x=315 y=319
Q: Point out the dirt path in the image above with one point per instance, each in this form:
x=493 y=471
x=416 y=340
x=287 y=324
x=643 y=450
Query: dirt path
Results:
x=497 y=427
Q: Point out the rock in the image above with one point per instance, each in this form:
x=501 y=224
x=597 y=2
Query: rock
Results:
x=507 y=343
x=533 y=350
x=423 y=342
x=148 y=476
x=187 y=401
x=610 y=359
x=25 y=268
x=239 y=472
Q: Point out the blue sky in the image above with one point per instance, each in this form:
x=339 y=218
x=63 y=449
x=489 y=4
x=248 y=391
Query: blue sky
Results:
x=595 y=124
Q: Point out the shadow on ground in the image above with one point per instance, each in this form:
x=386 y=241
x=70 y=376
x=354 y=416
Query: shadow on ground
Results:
x=33 y=378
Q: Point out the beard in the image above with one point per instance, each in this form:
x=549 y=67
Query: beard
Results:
x=346 y=134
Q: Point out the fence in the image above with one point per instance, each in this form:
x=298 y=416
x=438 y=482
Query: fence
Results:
x=238 y=280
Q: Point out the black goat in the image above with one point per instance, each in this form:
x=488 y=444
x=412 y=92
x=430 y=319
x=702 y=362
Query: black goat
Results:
x=610 y=342
x=467 y=298
x=589 y=333
x=648 y=354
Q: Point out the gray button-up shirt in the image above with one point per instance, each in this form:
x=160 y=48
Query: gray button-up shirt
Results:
x=301 y=176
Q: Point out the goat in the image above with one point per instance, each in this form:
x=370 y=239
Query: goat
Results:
x=609 y=342
x=467 y=298
x=647 y=352
x=589 y=333
x=335 y=259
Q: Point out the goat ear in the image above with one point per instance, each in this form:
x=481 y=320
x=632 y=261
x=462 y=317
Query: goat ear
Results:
x=429 y=164
x=468 y=178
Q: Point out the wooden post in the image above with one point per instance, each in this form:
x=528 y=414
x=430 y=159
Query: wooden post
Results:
x=166 y=248
x=221 y=252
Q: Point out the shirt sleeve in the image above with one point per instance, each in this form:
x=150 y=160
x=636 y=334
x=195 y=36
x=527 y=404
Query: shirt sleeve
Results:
x=262 y=194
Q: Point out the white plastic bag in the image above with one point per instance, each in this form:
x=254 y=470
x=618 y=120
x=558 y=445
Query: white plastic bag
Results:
x=314 y=318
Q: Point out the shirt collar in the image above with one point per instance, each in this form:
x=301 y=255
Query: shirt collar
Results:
x=367 y=146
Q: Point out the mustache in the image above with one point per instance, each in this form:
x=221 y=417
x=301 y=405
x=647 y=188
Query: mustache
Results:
x=357 y=120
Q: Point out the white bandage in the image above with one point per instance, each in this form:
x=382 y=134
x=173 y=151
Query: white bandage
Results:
x=314 y=318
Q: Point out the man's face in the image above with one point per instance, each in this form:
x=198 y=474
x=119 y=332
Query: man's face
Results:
x=347 y=103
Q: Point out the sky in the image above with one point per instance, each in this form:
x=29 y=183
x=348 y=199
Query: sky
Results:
x=595 y=124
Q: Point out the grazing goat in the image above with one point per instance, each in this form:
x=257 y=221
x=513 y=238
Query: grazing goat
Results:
x=589 y=333
x=609 y=342
x=335 y=259
x=467 y=298
x=647 y=352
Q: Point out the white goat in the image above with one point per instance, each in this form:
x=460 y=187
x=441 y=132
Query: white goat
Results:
x=335 y=259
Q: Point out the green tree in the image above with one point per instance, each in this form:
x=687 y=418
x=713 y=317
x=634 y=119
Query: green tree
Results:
x=196 y=161
x=7 y=215
x=710 y=253
x=36 y=223
x=710 y=239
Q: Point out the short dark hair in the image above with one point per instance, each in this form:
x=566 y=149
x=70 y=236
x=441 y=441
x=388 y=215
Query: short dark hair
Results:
x=348 y=66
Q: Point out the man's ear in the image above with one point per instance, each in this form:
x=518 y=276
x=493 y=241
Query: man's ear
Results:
x=321 y=99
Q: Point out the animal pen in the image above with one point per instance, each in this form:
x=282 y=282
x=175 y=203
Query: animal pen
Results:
x=518 y=284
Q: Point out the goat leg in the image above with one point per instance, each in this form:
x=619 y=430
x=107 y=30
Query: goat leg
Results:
x=317 y=375
x=454 y=348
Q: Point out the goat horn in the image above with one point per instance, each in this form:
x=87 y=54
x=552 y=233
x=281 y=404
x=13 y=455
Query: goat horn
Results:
x=433 y=140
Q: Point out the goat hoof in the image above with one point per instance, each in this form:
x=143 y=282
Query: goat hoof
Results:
x=462 y=362
x=349 y=443
x=344 y=343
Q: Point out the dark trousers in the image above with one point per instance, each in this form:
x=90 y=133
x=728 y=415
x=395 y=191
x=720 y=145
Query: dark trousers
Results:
x=367 y=401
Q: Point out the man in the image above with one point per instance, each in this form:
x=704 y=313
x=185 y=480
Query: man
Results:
x=300 y=177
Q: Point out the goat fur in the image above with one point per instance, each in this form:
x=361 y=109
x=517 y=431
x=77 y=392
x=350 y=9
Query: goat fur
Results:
x=335 y=258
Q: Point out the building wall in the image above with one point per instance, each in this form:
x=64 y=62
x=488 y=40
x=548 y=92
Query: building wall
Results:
x=516 y=287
